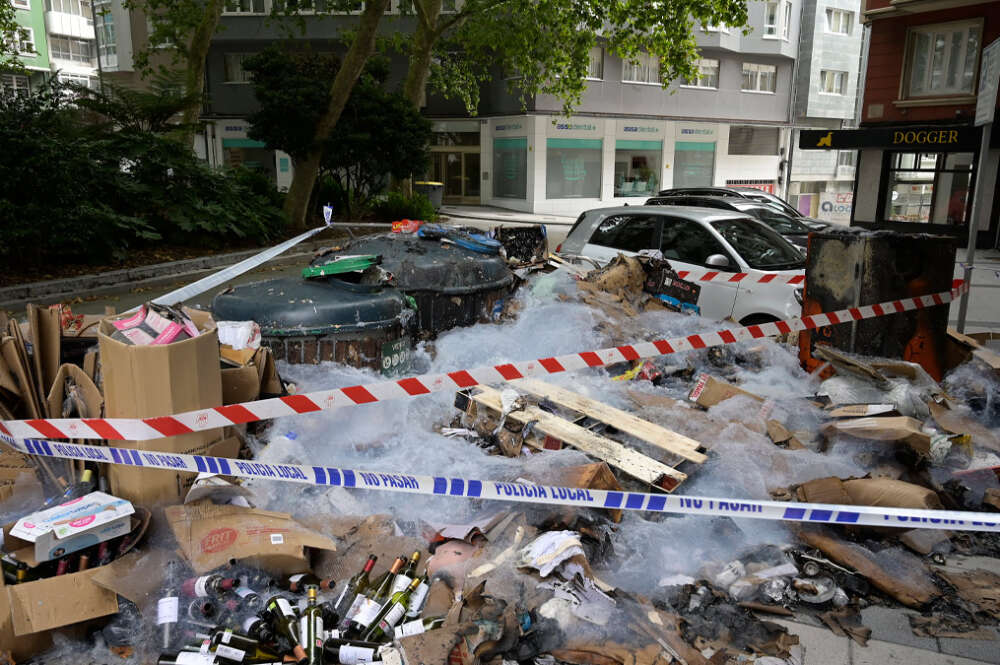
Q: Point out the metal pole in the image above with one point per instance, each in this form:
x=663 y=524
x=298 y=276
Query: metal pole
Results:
x=978 y=197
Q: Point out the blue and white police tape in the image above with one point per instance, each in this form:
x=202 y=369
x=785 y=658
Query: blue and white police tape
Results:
x=513 y=491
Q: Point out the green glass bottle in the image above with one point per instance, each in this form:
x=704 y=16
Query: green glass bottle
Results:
x=391 y=613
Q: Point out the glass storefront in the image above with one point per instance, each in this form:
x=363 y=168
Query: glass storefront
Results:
x=510 y=167
x=929 y=188
x=637 y=167
x=573 y=168
x=694 y=163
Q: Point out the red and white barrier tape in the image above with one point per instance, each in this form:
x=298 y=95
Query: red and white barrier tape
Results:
x=139 y=429
x=738 y=277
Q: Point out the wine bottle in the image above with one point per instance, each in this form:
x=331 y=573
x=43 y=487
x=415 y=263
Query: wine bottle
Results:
x=418 y=597
x=417 y=626
x=406 y=575
x=349 y=652
x=286 y=625
x=328 y=614
x=185 y=658
x=353 y=590
x=371 y=601
x=83 y=563
x=298 y=582
x=391 y=613
x=258 y=629
x=201 y=608
x=104 y=556
x=63 y=566
x=74 y=491
x=167 y=608
x=209 y=585
x=249 y=599
x=312 y=627
x=234 y=647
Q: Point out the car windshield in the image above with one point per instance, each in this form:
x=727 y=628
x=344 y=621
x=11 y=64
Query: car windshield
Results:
x=759 y=246
x=780 y=222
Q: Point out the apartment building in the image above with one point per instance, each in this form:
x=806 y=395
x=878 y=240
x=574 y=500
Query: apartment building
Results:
x=58 y=38
x=831 y=41
x=31 y=44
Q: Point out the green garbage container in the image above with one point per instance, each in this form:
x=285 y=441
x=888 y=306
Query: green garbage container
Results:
x=432 y=190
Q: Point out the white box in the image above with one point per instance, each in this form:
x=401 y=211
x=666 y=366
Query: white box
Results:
x=74 y=525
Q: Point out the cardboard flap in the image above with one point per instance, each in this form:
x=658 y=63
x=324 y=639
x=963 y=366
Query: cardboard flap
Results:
x=129 y=576
x=59 y=601
x=91 y=400
x=211 y=535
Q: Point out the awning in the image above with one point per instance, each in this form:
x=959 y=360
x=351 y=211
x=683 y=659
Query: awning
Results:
x=242 y=143
x=932 y=138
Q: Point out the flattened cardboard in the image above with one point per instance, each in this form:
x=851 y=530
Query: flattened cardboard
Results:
x=709 y=391
x=152 y=486
x=16 y=359
x=956 y=423
x=240 y=384
x=211 y=535
x=58 y=601
x=862 y=410
x=90 y=394
x=46 y=341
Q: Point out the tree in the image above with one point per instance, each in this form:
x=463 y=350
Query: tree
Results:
x=183 y=29
x=379 y=132
x=9 y=39
x=546 y=43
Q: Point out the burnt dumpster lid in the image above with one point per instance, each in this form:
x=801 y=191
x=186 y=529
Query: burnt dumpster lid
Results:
x=428 y=265
x=289 y=306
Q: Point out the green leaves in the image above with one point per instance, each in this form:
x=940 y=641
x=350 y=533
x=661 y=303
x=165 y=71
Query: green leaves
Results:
x=9 y=30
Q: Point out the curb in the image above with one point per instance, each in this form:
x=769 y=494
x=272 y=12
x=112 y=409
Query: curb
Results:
x=52 y=291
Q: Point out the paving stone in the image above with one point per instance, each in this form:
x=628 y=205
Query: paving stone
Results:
x=819 y=645
x=984 y=650
x=893 y=625
x=886 y=653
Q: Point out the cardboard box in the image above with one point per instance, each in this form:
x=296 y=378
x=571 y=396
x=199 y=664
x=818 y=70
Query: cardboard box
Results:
x=210 y=535
x=240 y=384
x=151 y=381
x=72 y=526
x=92 y=402
x=154 y=486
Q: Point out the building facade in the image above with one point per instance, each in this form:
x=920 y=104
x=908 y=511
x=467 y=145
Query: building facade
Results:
x=32 y=45
x=831 y=48
x=920 y=150
x=58 y=39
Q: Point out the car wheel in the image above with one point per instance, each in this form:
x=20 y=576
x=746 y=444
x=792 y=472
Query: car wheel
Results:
x=757 y=319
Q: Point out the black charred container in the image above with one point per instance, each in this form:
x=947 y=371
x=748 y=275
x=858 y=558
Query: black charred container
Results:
x=309 y=321
x=452 y=286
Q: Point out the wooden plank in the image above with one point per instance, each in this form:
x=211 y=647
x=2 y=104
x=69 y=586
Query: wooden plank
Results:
x=661 y=437
x=629 y=461
x=988 y=356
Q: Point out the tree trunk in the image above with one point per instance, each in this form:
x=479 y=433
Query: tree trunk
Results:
x=415 y=85
x=297 y=201
x=194 y=75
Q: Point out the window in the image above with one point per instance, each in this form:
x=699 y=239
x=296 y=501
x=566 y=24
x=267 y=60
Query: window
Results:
x=929 y=188
x=24 y=42
x=646 y=70
x=771 y=19
x=943 y=58
x=759 y=78
x=335 y=6
x=689 y=242
x=832 y=82
x=694 y=163
x=573 y=168
x=510 y=167
x=721 y=27
x=637 y=167
x=75 y=50
x=15 y=83
x=630 y=233
x=80 y=80
x=748 y=140
x=104 y=26
x=709 y=70
x=234 y=68
x=75 y=7
x=21 y=4
x=786 y=27
x=839 y=21
x=595 y=68
x=244 y=6
x=847 y=158
x=761 y=247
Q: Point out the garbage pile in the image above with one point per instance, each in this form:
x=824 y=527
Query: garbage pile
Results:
x=175 y=568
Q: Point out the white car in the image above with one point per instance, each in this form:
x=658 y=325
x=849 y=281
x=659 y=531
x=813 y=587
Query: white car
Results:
x=700 y=239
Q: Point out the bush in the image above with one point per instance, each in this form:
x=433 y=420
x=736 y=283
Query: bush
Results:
x=394 y=206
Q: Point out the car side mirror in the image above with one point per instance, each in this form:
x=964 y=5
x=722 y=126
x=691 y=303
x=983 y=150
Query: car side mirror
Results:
x=718 y=261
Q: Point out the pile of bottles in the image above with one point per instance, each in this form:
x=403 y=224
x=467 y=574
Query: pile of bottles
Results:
x=239 y=614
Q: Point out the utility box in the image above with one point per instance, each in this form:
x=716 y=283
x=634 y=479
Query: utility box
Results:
x=847 y=268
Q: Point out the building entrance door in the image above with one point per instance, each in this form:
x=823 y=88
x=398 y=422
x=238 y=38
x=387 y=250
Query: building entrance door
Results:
x=459 y=171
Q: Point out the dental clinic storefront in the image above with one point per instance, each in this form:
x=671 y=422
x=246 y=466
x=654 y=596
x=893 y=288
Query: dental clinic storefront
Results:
x=546 y=164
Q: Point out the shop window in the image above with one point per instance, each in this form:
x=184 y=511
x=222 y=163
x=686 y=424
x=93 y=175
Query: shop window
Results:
x=748 y=140
x=694 y=164
x=234 y=68
x=839 y=21
x=708 y=68
x=510 y=168
x=573 y=169
x=645 y=70
x=637 y=167
x=759 y=78
x=595 y=67
x=629 y=233
x=929 y=188
x=942 y=59
x=832 y=82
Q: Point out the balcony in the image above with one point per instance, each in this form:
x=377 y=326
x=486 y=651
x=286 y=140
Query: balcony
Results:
x=69 y=25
